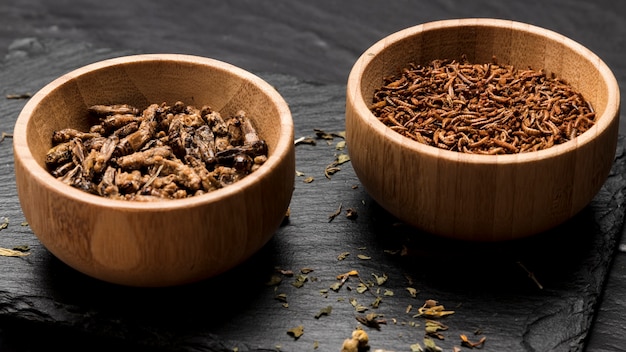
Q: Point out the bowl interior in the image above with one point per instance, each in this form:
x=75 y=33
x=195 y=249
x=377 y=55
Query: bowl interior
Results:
x=481 y=40
x=144 y=80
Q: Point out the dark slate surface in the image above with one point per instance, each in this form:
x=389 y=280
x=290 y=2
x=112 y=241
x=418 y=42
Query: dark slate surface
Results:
x=45 y=304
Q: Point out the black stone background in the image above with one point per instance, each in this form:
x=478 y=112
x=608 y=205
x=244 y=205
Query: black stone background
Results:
x=306 y=50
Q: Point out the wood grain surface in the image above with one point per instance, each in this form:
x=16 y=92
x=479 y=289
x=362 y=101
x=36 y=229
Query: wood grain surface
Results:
x=140 y=243
x=488 y=287
x=465 y=195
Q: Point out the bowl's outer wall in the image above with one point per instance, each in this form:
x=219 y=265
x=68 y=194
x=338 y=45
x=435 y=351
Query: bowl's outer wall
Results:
x=476 y=197
x=172 y=242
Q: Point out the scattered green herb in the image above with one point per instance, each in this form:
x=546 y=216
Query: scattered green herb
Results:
x=467 y=343
x=22 y=248
x=300 y=280
x=19 y=96
x=431 y=346
x=380 y=280
x=351 y=213
x=296 y=332
x=5 y=252
x=4 y=224
x=274 y=280
x=343 y=255
x=371 y=320
x=305 y=140
x=324 y=311
x=332 y=216
x=5 y=135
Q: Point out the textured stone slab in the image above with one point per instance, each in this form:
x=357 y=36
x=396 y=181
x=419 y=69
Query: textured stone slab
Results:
x=487 y=285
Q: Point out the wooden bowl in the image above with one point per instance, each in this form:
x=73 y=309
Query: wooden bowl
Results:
x=481 y=197
x=162 y=243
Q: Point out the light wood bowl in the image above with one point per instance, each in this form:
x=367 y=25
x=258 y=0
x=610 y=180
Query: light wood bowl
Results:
x=154 y=243
x=481 y=197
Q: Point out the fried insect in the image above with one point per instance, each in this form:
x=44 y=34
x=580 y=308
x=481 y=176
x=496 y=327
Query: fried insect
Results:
x=481 y=108
x=162 y=152
x=105 y=110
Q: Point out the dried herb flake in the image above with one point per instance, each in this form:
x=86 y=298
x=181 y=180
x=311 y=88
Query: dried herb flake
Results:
x=343 y=255
x=296 y=332
x=324 y=311
x=332 y=216
x=6 y=252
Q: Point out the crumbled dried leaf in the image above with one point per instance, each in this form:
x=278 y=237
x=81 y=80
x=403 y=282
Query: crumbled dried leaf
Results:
x=328 y=135
x=6 y=252
x=299 y=173
x=332 y=216
x=24 y=223
x=467 y=343
x=433 y=326
x=296 y=332
x=274 y=280
x=388 y=293
x=351 y=213
x=309 y=179
x=408 y=308
x=306 y=270
x=300 y=280
x=430 y=310
x=5 y=135
x=371 y=320
x=357 y=306
x=286 y=272
x=22 y=248
x=361 y=287
x=336 y=286
x=18 y=96
x=343 y=255
x=376 y=302
x=340 y=145
x=431 y=346
x=281 y=297
x=412 y=291
x=364 y=257
x=380 y=280
x=324 y=311
x=305 y=140
x=342 y=158
x=330 y=170
x=416 y=347
x=323 y=135
x=316 y=345
x=4 y=224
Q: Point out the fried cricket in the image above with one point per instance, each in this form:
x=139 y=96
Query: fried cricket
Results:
x=162 y=152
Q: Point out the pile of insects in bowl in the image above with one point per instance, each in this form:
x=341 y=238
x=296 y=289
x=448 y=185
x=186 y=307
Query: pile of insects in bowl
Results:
x=162 y=152
x=481 y=108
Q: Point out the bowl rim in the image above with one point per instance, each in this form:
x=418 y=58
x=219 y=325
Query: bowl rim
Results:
x=41 y=175
x=603 y=121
